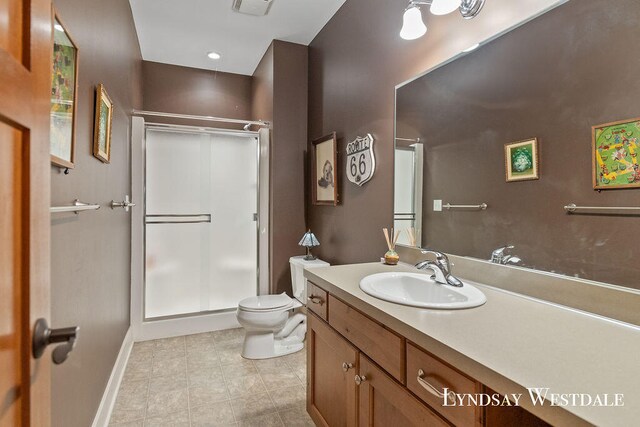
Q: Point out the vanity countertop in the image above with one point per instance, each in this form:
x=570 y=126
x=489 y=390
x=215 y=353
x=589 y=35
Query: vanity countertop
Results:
x=514 y=342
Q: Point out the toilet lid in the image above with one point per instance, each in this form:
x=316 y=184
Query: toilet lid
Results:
x=265 y=302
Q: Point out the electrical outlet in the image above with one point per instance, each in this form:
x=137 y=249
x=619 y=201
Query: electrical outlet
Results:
x=437 y=205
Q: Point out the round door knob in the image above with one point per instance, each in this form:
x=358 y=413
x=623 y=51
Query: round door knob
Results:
x=346 y=366
x=360 y=379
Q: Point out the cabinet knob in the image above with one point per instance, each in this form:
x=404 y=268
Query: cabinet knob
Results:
x=315 y=299
x=346 y=366
x=360 y=379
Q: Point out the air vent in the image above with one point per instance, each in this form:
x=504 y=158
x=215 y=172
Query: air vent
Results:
x=252 y=7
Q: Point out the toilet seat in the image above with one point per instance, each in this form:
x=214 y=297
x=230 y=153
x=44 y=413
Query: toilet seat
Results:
x=267 y=303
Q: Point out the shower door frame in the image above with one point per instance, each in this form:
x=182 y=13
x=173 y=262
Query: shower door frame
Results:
x=190 y=323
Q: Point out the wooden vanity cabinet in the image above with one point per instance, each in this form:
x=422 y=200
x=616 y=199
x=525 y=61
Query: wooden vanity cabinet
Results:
x=332 y=364
x=383 y=402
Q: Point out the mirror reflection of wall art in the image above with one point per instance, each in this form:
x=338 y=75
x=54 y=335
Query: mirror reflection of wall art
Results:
x=521 y=160
x=64 y=87
x=615 y=155
x=102 y=125
x=324 y=172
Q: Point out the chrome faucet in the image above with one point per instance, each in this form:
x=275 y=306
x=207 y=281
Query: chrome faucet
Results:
x=498 y=256
x=441 y=268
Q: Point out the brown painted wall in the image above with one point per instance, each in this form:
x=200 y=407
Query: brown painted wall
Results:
x=183 y=90
x=90 y=252
x=512 y=90
x=280 y=91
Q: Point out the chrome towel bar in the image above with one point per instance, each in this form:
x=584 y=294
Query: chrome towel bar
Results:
x=480 y=207
x=572 y=207
x=77 y=207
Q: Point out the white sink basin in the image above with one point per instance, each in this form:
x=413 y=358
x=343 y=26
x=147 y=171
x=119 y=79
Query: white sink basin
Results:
x=418 y=290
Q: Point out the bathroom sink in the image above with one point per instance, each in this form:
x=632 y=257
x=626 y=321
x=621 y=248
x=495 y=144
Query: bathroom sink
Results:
x=419 y=290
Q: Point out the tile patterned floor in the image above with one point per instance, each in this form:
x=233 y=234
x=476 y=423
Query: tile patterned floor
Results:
x=201 y=380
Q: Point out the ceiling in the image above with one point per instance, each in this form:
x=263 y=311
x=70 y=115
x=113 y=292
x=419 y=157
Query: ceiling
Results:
x=181 y=32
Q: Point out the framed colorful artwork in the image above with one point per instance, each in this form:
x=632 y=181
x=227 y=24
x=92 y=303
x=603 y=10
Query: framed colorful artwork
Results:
x=324 y=172
x=615 y=155
x=521 y=160
x=64 y=88
x=102 y=125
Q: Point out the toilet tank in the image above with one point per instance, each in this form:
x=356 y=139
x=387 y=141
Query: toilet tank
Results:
x=298 y=282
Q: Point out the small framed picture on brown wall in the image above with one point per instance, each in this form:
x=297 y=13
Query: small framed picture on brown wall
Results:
x=324 y=173
x=102 y=125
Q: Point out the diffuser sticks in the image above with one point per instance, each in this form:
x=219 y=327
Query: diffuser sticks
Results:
x=391 y=257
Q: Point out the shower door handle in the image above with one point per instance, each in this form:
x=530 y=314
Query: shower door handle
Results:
x=255 y=217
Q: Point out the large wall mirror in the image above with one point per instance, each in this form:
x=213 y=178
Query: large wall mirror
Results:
x=550 y=80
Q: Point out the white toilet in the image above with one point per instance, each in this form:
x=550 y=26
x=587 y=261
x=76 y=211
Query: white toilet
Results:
x=274 y=327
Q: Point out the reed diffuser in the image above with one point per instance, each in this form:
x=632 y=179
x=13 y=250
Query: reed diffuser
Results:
x=411 y=232
x=391 y=257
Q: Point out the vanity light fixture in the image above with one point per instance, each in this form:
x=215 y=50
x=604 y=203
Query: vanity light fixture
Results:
x=413 y=26
x=214 y=55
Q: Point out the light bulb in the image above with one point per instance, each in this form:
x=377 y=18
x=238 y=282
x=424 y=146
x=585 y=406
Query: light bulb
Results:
x=412 y=25
x=443 y=7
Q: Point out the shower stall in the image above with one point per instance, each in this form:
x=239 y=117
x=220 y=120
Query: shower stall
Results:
x=199 y=233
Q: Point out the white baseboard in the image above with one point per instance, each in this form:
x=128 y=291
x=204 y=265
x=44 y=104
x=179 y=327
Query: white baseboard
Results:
x=166 y=328
x=110 y=393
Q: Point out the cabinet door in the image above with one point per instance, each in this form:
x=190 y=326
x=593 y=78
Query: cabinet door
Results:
x=332 y=364
x=383 y=402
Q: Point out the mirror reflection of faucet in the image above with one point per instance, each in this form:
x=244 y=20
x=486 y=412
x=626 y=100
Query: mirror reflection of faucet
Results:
x=498 y=256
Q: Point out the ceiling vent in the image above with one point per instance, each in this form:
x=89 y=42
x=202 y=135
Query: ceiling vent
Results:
x=252 y=7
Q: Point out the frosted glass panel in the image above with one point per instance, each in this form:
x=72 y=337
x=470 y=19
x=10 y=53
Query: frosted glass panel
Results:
x=193 y=265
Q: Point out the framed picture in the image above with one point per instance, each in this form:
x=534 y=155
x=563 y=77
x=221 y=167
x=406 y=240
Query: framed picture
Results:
x=102 y=125
x=615 y=155
x=324 y=172
x=521 y=160
x=64 y=95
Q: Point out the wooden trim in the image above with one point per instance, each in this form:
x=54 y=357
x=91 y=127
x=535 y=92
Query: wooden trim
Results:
x=55 y=160
x=593 y=157
x=336 y=180
x=536 y=160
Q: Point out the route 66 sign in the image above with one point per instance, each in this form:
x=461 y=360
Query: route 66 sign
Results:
x=361 y=162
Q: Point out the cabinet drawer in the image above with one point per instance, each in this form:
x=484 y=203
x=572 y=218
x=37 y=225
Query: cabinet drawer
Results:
x=380 y=344
x=317 y=300
x=427 y=376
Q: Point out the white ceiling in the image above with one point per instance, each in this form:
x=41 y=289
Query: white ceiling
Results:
x=181 y=32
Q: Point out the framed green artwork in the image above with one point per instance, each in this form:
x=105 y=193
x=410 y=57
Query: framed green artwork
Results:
x=615 y=155
x=102 y=125
x=521 y=160
x=64 y=88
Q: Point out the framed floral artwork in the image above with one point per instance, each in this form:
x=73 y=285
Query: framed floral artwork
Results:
x=102 y=125
x=522 y=160
x=64 y=88
x=614 y=151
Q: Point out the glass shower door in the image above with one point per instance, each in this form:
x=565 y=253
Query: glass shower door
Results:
x=200 y=221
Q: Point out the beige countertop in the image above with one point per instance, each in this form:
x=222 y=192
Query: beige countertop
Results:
x=514 y=342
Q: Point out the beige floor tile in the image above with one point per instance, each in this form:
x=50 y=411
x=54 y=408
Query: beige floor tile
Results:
x=207 y=394
x=169 y=353
x=277 y=380
x=296 y=418
x=242 y=386
x=216 y=414
x=289 y=398
x=202 y=359
x=205 y=376
x=137 y=370
x=252 y=406
x=228 y=336
x=296 y=360
x=126 y=416
x=166 y=403
x=131 y=402
x=138 y=423
x=165 y=367
x=176 y=419
x=274 y=365
x=230 y=353
x=267 y=420
x=167 y=383
x=241 y=368
x=168 y=344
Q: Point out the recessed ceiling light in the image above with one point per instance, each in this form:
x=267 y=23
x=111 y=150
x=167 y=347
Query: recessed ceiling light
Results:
x=58 y=27
x=214 y=55
x=471 y=48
